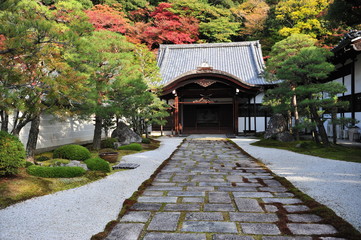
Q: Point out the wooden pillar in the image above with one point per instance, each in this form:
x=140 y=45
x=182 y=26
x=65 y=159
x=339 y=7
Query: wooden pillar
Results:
x=176 y=115
x=235 y=115
x=249 y=114
x=254 y=114
x=353 y=96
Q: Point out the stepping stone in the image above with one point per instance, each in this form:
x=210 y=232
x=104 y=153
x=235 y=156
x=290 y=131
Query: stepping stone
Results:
x=296 y=208
x=248 y=205
x=182 y=207
x=126 y=166
x=164 y=221
x=252 y=194
x=253 y=217
x=158 y=199
x=204 y=216
x=286 y=238
x=282 y=200
x=219 y=207
x=174 y=236
x=311 y=229
x=305 y=218
x=146 y=206
x=142 y=217
x=231 y=237
x=217 y=227
x=219 y=197
x=260 y=228
x=125 y=231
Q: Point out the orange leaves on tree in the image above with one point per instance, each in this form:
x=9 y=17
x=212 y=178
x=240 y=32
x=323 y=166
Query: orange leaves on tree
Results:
x=165 y=27
x=104 y=17
x=2 y=42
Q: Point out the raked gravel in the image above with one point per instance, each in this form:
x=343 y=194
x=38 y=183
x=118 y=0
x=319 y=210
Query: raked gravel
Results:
x=79 y=213
x=336 y=184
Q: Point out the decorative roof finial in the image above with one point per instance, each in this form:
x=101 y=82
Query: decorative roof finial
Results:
x=204 y=66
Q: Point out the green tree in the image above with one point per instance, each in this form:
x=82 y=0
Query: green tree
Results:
x=281 y=52
x=36 y=36
x=306 y=69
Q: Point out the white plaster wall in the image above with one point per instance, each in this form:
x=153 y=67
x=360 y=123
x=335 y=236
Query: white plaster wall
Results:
x=348 y=84
x=259 y=122
x=259 y=98
x=54 y=132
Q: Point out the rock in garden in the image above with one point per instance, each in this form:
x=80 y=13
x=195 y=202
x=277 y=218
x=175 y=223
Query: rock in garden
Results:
x=285 y=137
x=75 y=163
x=277 y=129
x=125 y=135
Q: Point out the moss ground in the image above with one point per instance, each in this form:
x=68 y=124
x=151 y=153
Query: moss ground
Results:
x=24 y=186
x=336 y=152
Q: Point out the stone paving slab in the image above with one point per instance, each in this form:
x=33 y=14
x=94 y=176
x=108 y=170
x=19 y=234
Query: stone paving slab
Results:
x=209 y=190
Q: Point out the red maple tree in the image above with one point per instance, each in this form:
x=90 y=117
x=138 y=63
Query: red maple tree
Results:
x=104 y=17
x=164 y=26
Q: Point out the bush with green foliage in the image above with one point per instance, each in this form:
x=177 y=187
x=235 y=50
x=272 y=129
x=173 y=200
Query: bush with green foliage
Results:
x=55 y=172
x=72 y=152
x=146 y=140
x=12 y=154
x=108 y=143
x=97 y=164
x=42 y=158
x=132 y=146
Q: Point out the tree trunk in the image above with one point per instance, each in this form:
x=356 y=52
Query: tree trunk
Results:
x=97 y=138
x=297 y=120
x=334 y=133
x=33 y=138
x=320 y=127
x=18 y=125
x=4 y=121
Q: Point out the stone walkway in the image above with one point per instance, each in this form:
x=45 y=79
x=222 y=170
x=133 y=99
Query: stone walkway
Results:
x=211 y=191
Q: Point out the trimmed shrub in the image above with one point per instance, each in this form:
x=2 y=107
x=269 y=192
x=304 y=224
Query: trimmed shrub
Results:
x=42 y=158
x=72 y=152
x=108 y=143
x=132 y=146
x=12 y=154
x=97 y=164
x=55 y=172
x=146 y=140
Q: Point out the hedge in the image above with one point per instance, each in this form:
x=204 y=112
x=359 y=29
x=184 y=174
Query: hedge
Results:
x=97 y=164
x=132 y=146
x=55 y=172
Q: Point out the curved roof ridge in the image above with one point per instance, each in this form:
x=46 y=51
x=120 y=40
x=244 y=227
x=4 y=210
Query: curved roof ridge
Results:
x=213 y=71
x=208 y=45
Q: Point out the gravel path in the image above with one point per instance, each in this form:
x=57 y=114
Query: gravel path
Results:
x=336 y=184
x=81 y=212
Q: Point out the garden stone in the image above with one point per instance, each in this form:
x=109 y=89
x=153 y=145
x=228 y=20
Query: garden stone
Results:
x=276 y=124
x=277 y=129
x=125 y=135
x=75 y=163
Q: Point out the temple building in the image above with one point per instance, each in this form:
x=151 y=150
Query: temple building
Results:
x=347 y=59
x=214 y=87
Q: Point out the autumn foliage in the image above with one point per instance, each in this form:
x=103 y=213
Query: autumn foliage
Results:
x=104 y=17
x=164 y=27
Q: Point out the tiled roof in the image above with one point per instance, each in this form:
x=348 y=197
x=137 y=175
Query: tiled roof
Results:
x=241 y=59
